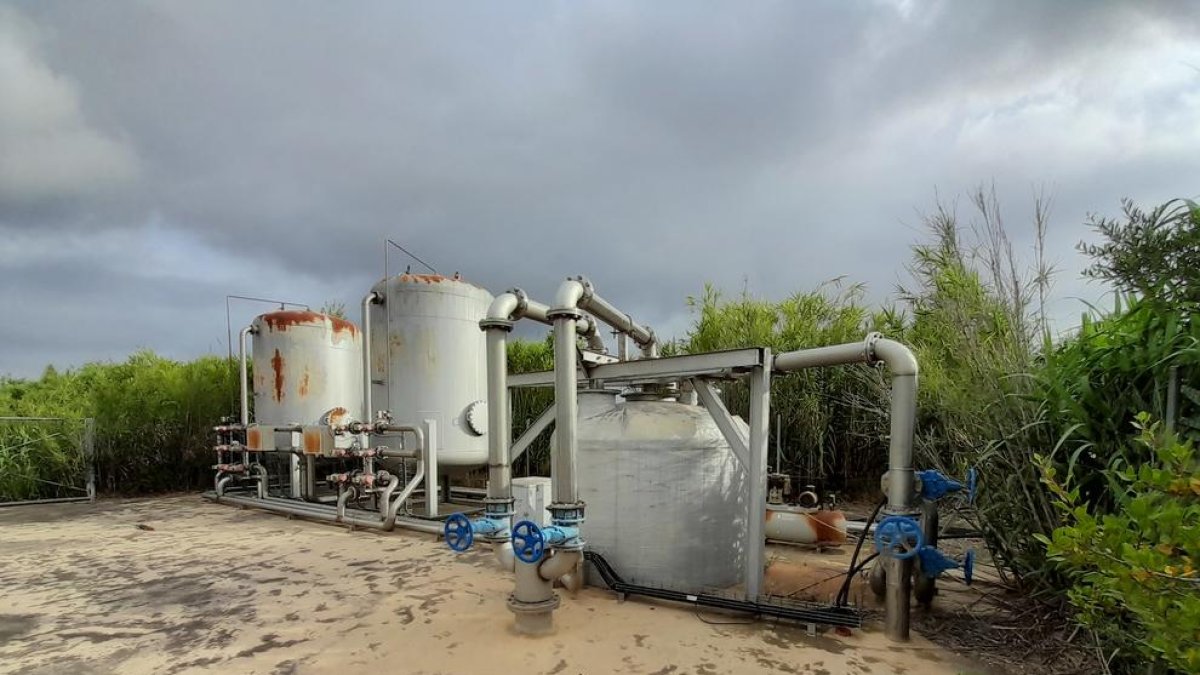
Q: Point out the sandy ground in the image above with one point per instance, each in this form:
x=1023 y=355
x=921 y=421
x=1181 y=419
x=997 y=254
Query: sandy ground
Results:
x=179 y=585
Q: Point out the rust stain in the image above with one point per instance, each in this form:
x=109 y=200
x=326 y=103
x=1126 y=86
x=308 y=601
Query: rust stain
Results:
x=830 y=526
x=281 y=321
x=304 y=383
x=423 y=278
x=343 y=326
x=277 y=366
x=312 y=441
x=254 y=438
x=337 y=416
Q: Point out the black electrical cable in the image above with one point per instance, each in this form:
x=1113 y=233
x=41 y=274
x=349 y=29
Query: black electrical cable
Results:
x=844 y=592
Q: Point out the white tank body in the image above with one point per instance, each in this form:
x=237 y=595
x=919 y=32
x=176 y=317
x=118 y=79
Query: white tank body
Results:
x=305 y=365
x=429 y=360
x=665 y=496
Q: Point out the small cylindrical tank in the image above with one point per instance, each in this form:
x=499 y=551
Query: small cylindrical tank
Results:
x=428 y=360
x=665 y=495
x=306 y=364
x=805 y=526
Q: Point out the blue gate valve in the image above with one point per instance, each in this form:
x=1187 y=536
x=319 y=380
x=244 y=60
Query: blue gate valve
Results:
x=934 y=562
x=899 y=537
x=935 y=484
x=460 y=531
x=528 y=542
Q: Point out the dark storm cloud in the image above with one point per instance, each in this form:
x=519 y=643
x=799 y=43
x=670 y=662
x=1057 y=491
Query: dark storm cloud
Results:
x=652 y=146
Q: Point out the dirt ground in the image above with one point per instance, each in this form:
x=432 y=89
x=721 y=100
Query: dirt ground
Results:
x=179 y=585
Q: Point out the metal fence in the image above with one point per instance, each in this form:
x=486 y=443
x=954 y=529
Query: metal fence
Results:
x=46 y=460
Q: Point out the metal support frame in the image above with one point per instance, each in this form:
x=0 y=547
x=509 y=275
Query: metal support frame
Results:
x=729 y=363
x=522 y=444
x=721 y=415
x=760 y=423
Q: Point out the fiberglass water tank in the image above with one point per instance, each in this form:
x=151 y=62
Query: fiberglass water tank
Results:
x=428 y=360
x=306 y=364
x=665 y=495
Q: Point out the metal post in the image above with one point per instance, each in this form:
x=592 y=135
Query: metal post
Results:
x=431 y=467
x=89 y=452
x=760 y=421
x=779 y=443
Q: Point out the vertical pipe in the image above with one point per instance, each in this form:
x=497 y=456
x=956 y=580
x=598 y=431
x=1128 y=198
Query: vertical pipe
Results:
x=244 y=379
x=430 y=452
x=565 y=486
x=368 y=414
x=760 y=422
x=499 y=431
x=903 y=366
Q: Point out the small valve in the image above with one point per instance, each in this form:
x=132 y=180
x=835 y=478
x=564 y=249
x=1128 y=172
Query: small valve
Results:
x=934 y=563
x=899 y=537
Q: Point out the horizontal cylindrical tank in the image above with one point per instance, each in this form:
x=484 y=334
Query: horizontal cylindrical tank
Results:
x=805 y=526
x=665 y=495
x=429 y=361
x=305 y=365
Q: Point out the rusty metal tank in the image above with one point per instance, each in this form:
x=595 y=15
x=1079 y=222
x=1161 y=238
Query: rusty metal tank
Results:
x=306 y=364
x=428 y=360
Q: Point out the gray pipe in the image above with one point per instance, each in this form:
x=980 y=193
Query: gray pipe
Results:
x=902 y=365
x=367 y=301
x=499 y=466
x=564 y=485
x=320 y=512
x=244 y=376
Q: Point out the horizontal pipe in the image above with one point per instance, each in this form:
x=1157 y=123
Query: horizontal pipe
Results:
x=820 y=357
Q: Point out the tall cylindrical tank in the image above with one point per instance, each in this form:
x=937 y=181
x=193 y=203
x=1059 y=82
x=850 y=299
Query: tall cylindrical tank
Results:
x=428 y=360
x=305 y=365
x=665 y=495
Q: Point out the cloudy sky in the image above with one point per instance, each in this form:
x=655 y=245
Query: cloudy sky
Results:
x=156 y=156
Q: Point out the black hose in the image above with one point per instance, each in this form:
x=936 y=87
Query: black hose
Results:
x=844 y=593
x=822 y=614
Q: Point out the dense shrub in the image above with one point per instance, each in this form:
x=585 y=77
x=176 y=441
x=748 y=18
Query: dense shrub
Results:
x=1134 y=568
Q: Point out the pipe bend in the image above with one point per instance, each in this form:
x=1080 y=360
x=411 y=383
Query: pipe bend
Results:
x=561 y=563
x=506 y=306
x=899 y=359
x=570 y=293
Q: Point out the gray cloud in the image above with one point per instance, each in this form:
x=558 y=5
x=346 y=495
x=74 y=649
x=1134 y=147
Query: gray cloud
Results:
x=269 y=148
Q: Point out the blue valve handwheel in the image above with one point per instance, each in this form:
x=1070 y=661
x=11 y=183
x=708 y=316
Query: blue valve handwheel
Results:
x=458 y=532
x=528 y=542
x=968 y=567
x=972 y=482
x=899 y=537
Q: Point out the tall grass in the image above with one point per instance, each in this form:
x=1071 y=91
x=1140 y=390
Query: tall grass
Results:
x=153 y=424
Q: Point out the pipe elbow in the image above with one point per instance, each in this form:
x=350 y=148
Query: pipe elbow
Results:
x=571 y=293
x=563 y=562
x=899 y=359
x=505 y=306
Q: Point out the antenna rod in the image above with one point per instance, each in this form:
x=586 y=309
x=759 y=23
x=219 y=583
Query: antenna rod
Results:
x=411 y=255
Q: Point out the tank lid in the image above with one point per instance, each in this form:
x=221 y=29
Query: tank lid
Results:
x=282 y=320
x=593 y=400
x=410 y=278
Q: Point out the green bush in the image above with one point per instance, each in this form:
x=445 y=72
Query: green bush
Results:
x=1133 y=571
